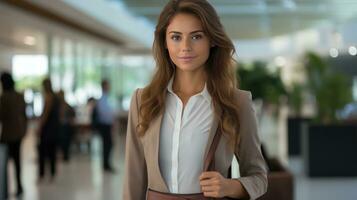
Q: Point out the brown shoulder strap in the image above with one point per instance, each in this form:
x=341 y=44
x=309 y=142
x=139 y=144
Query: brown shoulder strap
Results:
x=209 y=162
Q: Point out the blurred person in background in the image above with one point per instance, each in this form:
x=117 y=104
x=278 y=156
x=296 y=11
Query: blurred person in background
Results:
x=103 y=120
x=89 y=107
x=48 y=131
x=66 y=132
x=14 y=123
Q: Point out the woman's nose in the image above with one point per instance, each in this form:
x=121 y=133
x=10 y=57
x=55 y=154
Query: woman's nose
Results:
x=186 y=45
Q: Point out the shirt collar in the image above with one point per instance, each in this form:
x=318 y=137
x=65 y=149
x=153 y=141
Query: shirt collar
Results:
x=203 y=93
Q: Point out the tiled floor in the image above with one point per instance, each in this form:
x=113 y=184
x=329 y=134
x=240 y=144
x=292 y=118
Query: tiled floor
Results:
x=83 y=179
x=321 y=188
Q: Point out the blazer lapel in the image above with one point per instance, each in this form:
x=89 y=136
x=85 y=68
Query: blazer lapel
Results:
x=153 y=133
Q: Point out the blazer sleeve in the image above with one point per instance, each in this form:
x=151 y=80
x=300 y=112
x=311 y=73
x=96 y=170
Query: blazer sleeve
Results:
x=135 y=176
x=253 y=169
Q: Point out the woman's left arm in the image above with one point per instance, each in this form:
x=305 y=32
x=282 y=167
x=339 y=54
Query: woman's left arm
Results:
x=253 y=168
x=253 y=181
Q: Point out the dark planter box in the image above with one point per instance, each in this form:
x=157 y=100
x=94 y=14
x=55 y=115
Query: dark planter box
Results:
x=295 y=125
x=330 y=150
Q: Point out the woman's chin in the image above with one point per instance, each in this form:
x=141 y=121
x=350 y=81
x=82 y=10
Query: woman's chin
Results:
x=188 y=67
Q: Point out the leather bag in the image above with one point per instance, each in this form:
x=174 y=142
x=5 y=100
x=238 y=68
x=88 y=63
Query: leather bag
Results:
x=208 y=166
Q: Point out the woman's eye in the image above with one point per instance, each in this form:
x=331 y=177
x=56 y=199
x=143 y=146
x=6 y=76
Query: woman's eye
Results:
x=175 y=37
x=196 y=37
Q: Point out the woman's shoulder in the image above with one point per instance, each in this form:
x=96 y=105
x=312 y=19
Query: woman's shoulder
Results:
x=139 y=91
x=243 y=95
x=137 y=94
x=136 y=97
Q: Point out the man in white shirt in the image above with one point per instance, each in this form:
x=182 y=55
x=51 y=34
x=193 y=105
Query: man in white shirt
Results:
x=105 y=122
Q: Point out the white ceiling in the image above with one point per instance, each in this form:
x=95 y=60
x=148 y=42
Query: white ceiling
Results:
x=245 y=20
x=255 y=19
x=15 y=27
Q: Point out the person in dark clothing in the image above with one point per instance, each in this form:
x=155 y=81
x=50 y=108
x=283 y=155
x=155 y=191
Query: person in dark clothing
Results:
x=104 y=125
x=66 y=116
x=48 y=131
x=14 y=124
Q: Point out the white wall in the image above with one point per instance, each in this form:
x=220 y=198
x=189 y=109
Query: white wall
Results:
x=5 y=60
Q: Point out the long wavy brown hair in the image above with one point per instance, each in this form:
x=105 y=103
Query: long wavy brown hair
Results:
x=221 y=80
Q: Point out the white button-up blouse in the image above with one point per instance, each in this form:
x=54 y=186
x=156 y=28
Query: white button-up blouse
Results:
x=183 y=140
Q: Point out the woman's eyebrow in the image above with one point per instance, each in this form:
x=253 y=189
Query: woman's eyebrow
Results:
x=177 y=32
x=198 y=31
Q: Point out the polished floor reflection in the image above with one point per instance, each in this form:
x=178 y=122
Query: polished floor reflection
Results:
x=321 y=188
x=83 y=178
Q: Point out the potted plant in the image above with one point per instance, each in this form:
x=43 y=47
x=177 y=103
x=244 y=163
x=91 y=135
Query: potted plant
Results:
x=326 y=142
x=296 y=120
x=332 y=90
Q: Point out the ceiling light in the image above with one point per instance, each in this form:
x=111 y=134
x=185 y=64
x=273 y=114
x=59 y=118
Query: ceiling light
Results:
x=333 y=52
x=289 y=4
x=29 y=40
x=352 y=50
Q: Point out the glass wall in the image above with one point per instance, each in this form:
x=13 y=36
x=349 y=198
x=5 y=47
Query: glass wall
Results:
x=135 y=72
x=28 y=72
x=77 y=68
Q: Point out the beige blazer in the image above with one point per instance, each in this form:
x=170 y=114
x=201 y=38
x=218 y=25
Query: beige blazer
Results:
x=142 y=169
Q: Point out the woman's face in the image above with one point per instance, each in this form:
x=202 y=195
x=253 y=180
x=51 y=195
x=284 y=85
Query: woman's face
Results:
x=186 y=42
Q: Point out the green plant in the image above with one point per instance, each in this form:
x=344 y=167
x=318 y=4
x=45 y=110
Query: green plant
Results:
x=263 y=84
x=332 y=90
x=295 y=98
x=30 y=82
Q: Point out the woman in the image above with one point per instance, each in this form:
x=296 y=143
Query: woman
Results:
x=48 y=131
x=193 y=94
x=66 y=119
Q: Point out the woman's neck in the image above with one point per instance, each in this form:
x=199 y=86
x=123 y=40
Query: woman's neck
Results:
x=189 y=83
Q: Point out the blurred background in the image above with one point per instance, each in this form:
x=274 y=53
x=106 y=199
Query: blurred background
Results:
x=298 y=57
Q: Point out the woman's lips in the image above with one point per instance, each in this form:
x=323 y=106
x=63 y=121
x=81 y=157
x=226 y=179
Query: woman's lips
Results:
x=187 y=58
